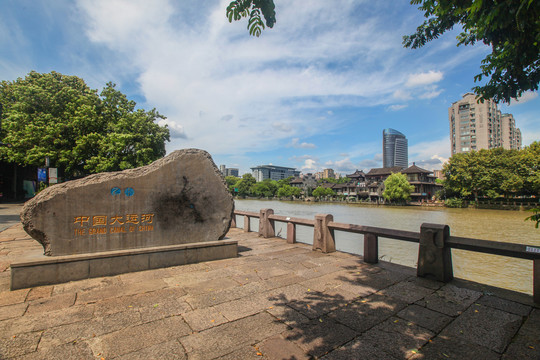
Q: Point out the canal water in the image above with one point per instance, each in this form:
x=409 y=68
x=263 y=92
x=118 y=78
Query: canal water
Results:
x=496 y=225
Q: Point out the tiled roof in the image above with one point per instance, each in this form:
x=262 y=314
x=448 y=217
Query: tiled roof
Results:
x=415 y=170
x=384 y=171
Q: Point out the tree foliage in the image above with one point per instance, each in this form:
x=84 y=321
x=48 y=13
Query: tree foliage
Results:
x=60 y=117
x=511 y=28
x=397 y=188
x=253 y=9
x=320 y=192
x=494 y=173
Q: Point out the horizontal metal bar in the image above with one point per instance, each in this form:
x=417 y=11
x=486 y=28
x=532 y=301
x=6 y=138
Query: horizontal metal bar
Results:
x=246 y=213
x=297 y=221
x=410 y=236
x=519 y=251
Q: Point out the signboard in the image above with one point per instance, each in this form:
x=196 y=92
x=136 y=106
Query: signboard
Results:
x=53 y=175
x=42 y=174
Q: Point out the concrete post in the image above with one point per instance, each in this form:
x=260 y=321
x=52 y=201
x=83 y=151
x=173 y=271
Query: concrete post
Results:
x=233 y=221
x=434 y=257
x=371 y=248
x=247 y=227
x=323 y=237
x=266 y=226
x=291 y=233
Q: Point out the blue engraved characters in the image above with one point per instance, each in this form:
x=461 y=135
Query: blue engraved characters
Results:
x=127 y=191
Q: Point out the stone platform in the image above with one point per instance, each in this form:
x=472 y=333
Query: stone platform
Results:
x=274 y=301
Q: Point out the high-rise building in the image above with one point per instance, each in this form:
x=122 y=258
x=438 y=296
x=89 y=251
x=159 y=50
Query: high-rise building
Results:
x=273 y=172
x=475 y=126
x=395 y=149
x=329 y=174
x=228 y=171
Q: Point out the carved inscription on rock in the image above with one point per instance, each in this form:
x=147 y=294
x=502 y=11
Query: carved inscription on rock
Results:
x=179 y=199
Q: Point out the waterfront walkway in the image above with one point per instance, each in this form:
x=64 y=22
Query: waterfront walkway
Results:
x=275 y=301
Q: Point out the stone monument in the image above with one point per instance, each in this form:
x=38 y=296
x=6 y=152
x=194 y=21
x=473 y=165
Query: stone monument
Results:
x=174 y=211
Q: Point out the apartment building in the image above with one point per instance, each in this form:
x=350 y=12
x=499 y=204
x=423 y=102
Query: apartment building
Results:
x=475 y=126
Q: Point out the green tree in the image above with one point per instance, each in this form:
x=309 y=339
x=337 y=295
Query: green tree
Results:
x=288 y=191
x=253 y=9
x=265 y=188
x=397 y=188
x=511 y=28
x=320 y=192
x=60 y=117
x=245 y=184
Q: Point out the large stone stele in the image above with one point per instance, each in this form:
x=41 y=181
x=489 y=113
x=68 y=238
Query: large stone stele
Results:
x=179 y=199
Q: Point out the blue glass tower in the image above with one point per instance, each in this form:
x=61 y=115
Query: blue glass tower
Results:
x=395 y=149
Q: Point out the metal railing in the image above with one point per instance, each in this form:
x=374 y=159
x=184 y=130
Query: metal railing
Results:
x=435 y=242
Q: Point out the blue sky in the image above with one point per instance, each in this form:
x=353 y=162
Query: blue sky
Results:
x=314 y=92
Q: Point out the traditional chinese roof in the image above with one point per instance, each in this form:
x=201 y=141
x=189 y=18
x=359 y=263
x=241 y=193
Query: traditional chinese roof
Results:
x=416 y=170
x=356 y=174
x=384 y=171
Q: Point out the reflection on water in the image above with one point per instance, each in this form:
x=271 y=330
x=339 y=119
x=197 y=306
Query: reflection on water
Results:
x=496 y=225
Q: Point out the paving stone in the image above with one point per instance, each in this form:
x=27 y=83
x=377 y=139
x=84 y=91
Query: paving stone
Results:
x=13 y=297
x=407 y=291
x=88 y=329
x=399 y=338
x=207 y=300
x=359 y=348
x=224 y=339
x=287 y=315
x=315 y=303
x=484 y=326
x=240 y=308
x=445 y=348
x=139 y=337
x=71 y=351
x=319 y=336
x=210 y=286
x=98 y=294
x=381 y=279
x=40 y=292
x=57 y=302
x=246 y=352
x=170 y=350
x=38 y=322
x=17 y=345
x=505 y=305
x=526 y=344
x=450 y=300
x=12 y=311
x=277 y=348
x=86 y=285
x=365 y=313
x=429 y=319
x=203 y=319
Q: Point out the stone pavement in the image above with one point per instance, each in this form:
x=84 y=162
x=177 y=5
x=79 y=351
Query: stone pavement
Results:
x=275 y=301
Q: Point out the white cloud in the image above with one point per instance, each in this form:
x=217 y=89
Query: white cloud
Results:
x=433 y=93
x=402 y=95
x=295 y=143
x=422 y=79
x=525 y=97
x=430 y=154
x=397 y=107
x=344 y=165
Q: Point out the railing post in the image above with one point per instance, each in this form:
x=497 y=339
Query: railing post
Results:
x=323 y=236
x=266 y=226
x=371 y=248
x=434 y=257
x=233 y=221
x=291 y=233
x=536 y=281
x=247 y=227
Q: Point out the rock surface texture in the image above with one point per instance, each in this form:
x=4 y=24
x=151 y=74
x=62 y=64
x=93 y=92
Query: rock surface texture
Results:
x=179 y=199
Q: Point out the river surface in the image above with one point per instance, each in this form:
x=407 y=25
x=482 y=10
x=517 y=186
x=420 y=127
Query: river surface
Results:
x=496 y=225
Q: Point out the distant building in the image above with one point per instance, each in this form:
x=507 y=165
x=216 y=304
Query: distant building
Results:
x=329 y=174
x=395 y=149
x=438 y=174
x=273 y=172
x=475 y=126
x=229 y=171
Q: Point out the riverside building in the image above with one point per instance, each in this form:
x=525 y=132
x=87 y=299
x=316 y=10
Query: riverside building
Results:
x=395 y=149
x=273 y=172
x=475 y=126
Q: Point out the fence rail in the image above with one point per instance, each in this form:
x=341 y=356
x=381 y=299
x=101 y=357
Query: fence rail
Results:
x=435 y=242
